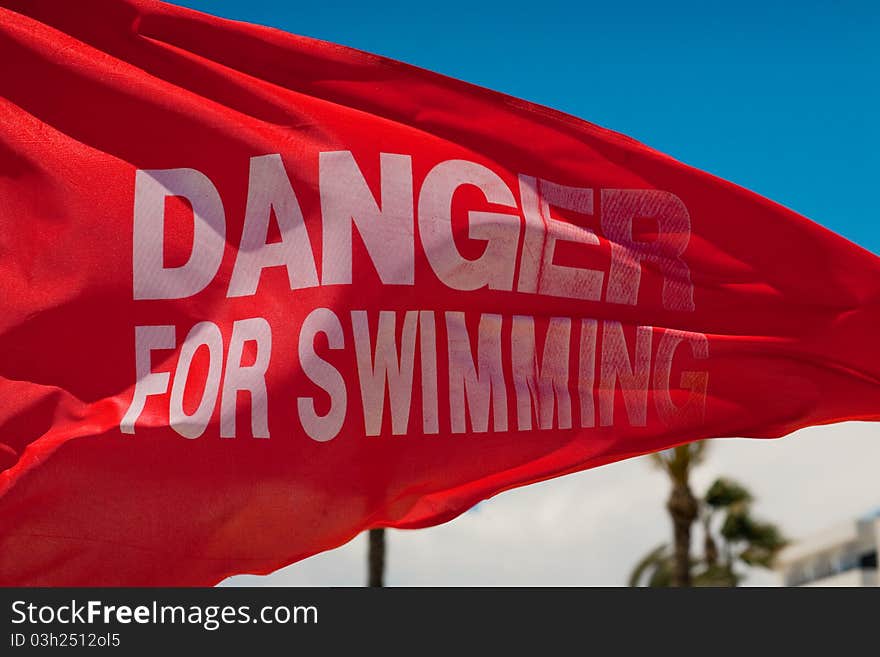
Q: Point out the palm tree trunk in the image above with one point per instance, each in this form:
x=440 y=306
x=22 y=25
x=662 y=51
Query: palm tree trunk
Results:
x=710 y=548
x=376 y=558
x=682 y=508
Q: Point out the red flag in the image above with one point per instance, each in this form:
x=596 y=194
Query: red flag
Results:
x=261 y=292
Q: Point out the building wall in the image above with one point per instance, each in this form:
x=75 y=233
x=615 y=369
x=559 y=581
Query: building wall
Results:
x=848 y=578
x=845 y=555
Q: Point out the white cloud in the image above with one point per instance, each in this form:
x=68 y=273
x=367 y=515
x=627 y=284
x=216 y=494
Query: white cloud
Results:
x=590 y=528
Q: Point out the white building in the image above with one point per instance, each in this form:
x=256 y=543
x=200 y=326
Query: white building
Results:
x=845 y=555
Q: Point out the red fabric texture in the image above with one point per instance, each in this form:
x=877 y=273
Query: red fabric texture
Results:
x=669 y=305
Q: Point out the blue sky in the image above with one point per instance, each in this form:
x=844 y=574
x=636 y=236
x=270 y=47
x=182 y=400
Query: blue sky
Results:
x=782 y=102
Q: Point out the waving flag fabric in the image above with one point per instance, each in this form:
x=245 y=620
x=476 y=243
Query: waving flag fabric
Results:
x=261 y=292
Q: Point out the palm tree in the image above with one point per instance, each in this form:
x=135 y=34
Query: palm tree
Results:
x=658 y=562
x=682 y=505
x=376 y=558
x=745 y=539
x=725 y=510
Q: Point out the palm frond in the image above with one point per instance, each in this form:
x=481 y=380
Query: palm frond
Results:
x=653 y=559
x=725 y=493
